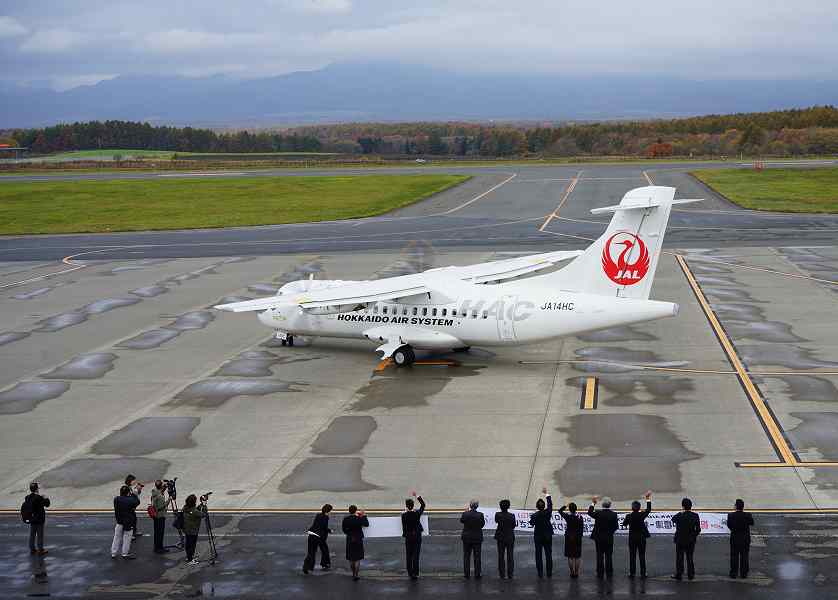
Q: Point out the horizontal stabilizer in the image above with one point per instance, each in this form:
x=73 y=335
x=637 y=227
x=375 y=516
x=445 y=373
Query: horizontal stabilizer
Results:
x=633 y=204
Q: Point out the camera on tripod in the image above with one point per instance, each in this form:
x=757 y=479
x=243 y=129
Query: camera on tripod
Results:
x=171 y=487
x=205 y=497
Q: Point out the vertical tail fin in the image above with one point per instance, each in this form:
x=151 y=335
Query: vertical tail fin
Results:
x=622 y=262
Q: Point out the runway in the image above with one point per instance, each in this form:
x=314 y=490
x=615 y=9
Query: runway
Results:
x=520 y=211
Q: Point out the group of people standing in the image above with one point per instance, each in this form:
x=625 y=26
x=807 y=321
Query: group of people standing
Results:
x=606 y=523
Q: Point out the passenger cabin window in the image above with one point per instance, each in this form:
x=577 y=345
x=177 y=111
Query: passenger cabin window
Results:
x=444 y=311
x=433 y=312
x=404 y=311
x=415 y=311
x=474 y=314
x=485 y=315
x=424 y=312
x=384 y=310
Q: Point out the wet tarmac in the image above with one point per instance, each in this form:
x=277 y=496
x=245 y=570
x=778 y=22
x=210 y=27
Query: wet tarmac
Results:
x=260 y=556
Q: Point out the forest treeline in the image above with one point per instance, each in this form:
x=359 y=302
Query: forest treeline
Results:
x=794 y=132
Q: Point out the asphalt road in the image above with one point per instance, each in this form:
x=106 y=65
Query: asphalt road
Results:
x=500 y=208
x=792 y=556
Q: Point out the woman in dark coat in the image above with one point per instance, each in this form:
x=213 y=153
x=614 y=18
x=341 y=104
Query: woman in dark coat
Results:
x=574 y=528
x=353 y=527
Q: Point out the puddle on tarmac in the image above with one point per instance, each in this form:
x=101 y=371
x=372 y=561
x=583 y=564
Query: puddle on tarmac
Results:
x=138 y=265
x=155 y=338
x=25 y=396
x=632 y=390
x=603 y=357
x=764 y=331
x=408 y=388
x=625 y=333
x=708 y=267
x=344 y=435
x=732 y=295
x=149 y=339
x=234 y=492
x=148 y=435
x=738 y=312
x=801 y=388
x=93 y=472
x=792 y=357
x=636 y=452
x=717 y=281
x=231 y=299
x=40 y=291
x=150 y=291
x=257 y=363
x=192 y=320
x=212 y=393
x=336 y=474
x=7 y=337
x=74 y=317
x=816 y=431
x=263 y=288
x=84 y=366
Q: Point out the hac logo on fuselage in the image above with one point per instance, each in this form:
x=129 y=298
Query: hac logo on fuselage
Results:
x=625 y=258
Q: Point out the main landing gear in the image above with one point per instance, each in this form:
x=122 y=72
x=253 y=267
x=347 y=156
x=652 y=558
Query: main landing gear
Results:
x=288 y=340
x=404 y=356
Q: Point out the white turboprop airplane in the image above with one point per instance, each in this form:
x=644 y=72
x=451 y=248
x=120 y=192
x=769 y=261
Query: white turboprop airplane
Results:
x=490 y=304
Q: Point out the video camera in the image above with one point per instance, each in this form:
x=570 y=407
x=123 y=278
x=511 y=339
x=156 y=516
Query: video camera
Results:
x=205 y=497
x=171 y=487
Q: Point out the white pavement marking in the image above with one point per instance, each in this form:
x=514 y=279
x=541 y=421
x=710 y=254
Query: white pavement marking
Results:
x=566 y=195
x=649 y=179
x=67 y=260
x=476 y=198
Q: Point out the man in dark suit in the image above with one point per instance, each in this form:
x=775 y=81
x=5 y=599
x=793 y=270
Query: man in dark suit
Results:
x=606 y=524
x=739 y=523
x=638 y=532
x=542 y=535
x=412 y=533
x=36 y=505
x=472 y=536
x=505 y=537
x=318 y=533
x=687 y=530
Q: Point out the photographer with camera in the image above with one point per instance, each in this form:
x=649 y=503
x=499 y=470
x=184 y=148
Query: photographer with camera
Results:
x=193 y=514
x=158 y=510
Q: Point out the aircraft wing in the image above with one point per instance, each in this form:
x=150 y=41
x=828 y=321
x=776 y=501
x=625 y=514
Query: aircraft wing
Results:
x=362 y=292
x=500 y=270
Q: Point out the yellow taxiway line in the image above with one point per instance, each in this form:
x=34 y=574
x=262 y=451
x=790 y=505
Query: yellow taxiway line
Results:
x=589 y=395
x=764 y=414
x=565 y=196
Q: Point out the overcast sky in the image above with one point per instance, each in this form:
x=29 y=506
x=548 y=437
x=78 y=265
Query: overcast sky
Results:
x=72 y=42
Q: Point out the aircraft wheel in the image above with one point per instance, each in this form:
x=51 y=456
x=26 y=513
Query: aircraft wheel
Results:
x=284 y=342
x=404 y=356
x=290 y=340
x=462 y=349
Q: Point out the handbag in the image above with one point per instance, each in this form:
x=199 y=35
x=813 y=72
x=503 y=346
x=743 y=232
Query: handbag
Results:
x=152 y=512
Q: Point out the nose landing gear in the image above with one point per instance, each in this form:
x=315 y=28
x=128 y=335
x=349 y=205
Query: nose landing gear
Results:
x=404 y=356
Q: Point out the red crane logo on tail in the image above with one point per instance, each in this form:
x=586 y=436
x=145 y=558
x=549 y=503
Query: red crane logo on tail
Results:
x=632 y=258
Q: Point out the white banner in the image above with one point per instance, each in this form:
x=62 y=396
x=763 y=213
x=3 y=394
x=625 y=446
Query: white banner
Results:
x=657 y=522
x=381 y=527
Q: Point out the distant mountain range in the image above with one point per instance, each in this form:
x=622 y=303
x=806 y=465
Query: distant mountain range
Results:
x=389 y=92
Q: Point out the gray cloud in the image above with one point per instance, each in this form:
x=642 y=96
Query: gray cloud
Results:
x=67 y=42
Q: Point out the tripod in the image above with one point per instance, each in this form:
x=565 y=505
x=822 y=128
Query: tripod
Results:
x=210 y=536
x=180 y=544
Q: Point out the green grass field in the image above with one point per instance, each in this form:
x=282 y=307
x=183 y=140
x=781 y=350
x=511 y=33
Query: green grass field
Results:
x=136 y=205
x=782 y=190
x=109 y=154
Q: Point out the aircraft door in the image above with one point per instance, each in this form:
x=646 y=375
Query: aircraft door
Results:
x=506 y=318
